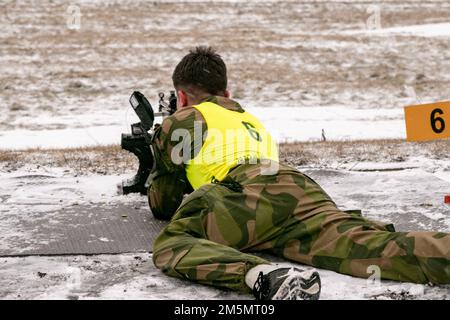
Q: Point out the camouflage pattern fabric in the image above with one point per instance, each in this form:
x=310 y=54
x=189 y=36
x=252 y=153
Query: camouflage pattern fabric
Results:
x=170 y=182
x=216 y=228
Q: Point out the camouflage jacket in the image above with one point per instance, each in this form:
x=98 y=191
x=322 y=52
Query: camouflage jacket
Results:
x=169 y=183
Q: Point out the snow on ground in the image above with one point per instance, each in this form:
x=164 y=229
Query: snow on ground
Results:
x=61 y=87
x=443 y=175
x=286 y=124
x=422 y=30
x=65 y=190
x=33 y=195
x=133 y=276
x=300 y=67
x=401 y=196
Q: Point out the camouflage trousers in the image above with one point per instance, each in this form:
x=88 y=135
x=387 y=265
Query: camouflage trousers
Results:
x=214 y=231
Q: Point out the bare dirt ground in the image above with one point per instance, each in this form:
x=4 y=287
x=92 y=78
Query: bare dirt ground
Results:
x=277 y=51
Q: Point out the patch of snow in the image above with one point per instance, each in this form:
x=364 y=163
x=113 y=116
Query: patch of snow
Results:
x=444 y=175
x=284 y=123
x=423 y=30
x=133 y=276
x=57 y=190
x=406 y=197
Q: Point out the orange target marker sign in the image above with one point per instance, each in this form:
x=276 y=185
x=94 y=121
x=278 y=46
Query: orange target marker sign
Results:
x=428 y=121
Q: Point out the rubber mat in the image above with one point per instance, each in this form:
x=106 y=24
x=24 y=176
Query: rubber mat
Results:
x=85 y=230
x=31 y=223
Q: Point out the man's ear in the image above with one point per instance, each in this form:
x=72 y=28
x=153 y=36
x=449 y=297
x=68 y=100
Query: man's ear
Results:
x=227 y=94
x=182 y=100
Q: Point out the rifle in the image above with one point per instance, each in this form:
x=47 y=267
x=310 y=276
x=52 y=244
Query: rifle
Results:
x=139 y=141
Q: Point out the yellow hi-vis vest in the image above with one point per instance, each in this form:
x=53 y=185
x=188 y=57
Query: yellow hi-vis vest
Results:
x=232 y=138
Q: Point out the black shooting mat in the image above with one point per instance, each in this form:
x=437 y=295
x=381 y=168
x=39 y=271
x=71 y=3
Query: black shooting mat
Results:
x=52 y=215
x=86 y=230
x=410 y=198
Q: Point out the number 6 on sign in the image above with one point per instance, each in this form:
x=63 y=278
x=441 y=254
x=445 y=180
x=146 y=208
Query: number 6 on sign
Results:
x=428 y=121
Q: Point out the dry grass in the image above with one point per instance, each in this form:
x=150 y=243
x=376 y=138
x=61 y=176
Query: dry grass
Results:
x=100 y=160
x=8 y=156
x=277 y=53
x=321 y=153
x=113 y=160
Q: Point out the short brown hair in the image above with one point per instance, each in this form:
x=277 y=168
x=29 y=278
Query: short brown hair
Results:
x=202 y=69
